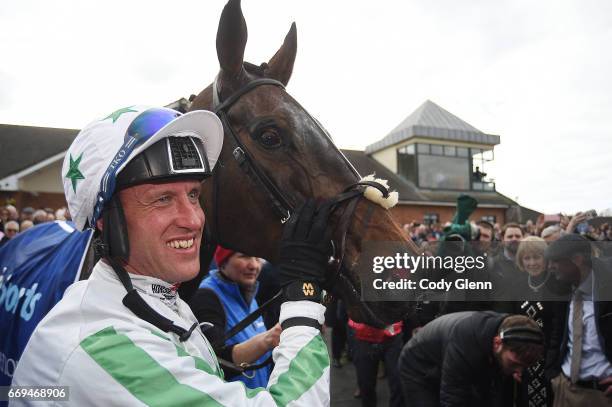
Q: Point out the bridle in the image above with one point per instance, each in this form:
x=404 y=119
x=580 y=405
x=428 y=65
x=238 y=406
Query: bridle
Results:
x=282 y=204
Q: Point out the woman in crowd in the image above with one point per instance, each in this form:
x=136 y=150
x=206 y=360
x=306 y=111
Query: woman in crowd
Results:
x=224 y=299
x=534 y=390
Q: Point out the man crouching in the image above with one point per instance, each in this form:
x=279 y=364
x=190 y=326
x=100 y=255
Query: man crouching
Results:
x=461 y=359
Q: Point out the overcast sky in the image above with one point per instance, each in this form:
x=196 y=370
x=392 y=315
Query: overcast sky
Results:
x=535 y=73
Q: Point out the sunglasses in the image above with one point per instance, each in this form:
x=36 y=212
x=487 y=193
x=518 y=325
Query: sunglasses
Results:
x=12 y=230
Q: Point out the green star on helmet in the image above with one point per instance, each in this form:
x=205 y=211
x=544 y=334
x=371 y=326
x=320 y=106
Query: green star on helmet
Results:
x=117 y=113
x=73 y=172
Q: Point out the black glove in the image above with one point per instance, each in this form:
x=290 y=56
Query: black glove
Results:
x=304 y=252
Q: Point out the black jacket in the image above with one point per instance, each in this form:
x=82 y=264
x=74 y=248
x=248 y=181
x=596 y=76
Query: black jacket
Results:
x=602 y=274
x=454 y=353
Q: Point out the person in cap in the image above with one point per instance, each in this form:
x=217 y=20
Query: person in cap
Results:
x=124 y=337
x=461 y=359
x=579 y=361
x=27 y=213
x=225 y=298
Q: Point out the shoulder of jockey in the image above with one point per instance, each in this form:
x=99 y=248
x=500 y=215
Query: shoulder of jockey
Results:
x=124 y=336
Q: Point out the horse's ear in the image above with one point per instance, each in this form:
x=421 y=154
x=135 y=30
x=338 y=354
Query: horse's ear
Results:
x=231 y=40
x=280 y=66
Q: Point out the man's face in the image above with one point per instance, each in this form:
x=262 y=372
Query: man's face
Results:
x=565 y=270
x=165 y=223
x=512 y=237
x=242 y=269
x=509 y=362
x=11 y=230
x=26 y=215
x=485 y=239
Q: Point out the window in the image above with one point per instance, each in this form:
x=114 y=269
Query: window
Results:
x=436 y=150
x=439 y=166
x=406 y=163
x=462 y=152
x=443 y=172
x=431 y=218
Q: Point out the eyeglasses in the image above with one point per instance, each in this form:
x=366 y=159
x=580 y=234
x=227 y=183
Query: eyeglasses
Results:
x=12 y=230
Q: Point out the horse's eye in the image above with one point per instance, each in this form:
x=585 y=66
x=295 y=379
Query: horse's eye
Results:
x=269 y=138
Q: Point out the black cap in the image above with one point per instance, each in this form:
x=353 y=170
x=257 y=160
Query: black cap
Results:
x=566 y=246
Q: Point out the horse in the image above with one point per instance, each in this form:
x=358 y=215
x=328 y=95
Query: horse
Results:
x=275 y=155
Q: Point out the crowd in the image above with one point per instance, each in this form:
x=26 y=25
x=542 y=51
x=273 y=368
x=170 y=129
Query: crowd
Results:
x=520 y=259
x=546 y=226
x=13 y=221
x=539 y=269
x=543 y=339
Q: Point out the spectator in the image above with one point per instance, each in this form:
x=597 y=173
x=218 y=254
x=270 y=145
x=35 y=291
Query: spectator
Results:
x=373 y=345
x=27 y=213
x=580 y=357
x=40 y=216
x=534 y=390
x=461 y=359
x=60 y=214
x=530 y=228
x=508 y=281
x=224 y=299
x=11 y=228
x=13 y=214
x=498 y=232
x=336 y=318
x=486 y=235
x=551 y=233
x=26 y=224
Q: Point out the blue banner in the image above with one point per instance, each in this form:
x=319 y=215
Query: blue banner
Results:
x=36 y=267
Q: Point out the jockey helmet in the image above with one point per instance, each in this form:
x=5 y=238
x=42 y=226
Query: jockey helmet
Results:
x=135 y=145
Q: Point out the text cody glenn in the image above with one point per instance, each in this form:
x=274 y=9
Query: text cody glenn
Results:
x=426 y=284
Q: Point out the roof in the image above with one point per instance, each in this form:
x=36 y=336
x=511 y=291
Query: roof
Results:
x=432 y=121
x=24 y=146
x=408 y=192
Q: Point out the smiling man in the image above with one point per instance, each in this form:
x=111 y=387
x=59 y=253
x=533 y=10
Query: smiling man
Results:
x=124 y=337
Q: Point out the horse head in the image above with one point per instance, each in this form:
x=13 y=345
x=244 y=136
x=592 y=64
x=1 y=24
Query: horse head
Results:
x=275 y=155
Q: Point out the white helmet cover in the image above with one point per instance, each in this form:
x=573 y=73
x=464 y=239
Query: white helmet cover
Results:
x=103 y=148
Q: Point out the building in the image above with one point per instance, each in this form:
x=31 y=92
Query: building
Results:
x=31 y=165
x=429 y=158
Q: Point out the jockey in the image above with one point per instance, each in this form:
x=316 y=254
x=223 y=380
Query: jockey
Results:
x=124 y=337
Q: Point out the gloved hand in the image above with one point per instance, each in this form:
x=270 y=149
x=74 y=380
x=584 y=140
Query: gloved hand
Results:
x=304 y=252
